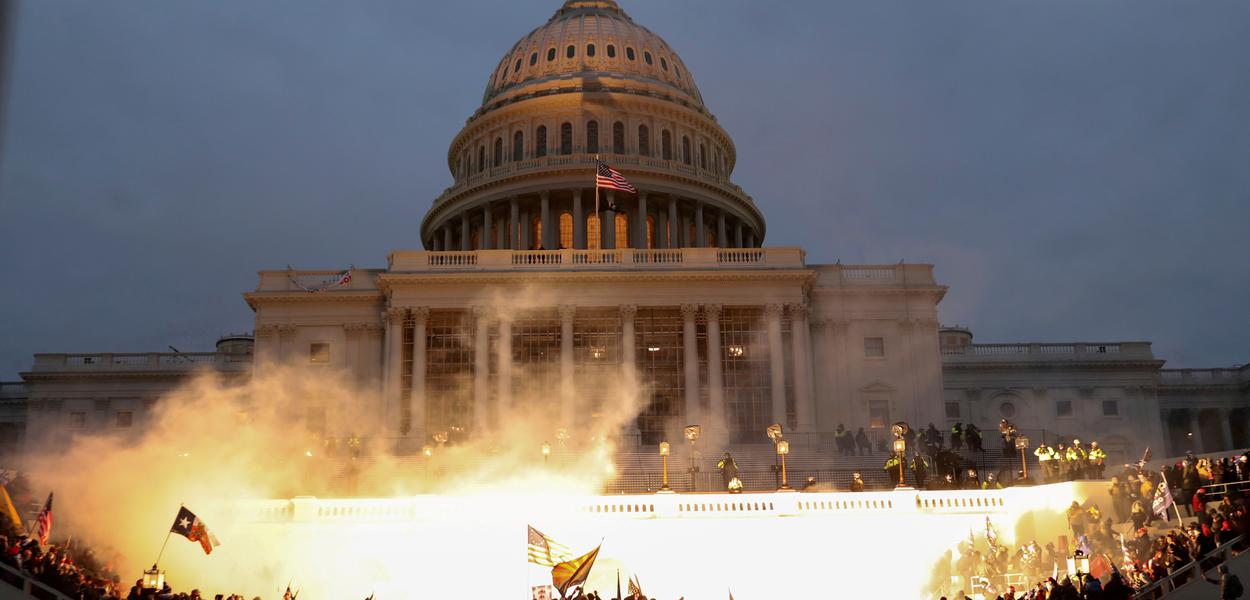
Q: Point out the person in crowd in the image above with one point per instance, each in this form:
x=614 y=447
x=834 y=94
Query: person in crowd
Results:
x=862 y=442
x=1097 y=460
x=919 y=469
x=1230 y=585
x=857 y=483
x=957 y=438
x=1007 y=430
x=843 y=440
x=729 y=473
x=972 y=436
x=1046 y=460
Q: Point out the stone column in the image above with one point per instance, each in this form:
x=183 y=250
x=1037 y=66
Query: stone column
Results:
x=394 y=319
x=416 y=395
x=700 y=236
x=436 y=242
x=800 y=342
x=488 y=230
x=527 y=232
x=481 y=371
x=750 y=239
x=548 y=240
x=466 y=235
x=721 y=240
x=661 y=229
x=579 y=221
x=640 y=235
x=514 y=239
x=1227 y=422
x=776 y=362
x=629 y=346
x=607 y=225
x=691 y=362
x=674 y=224
x=715 y=381
x=504 y=401
x=567 y=388
x=1195 y=427
x=737 y=234
x=447 y=238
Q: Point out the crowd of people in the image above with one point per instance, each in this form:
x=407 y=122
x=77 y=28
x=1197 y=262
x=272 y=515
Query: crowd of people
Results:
x=1121 y=548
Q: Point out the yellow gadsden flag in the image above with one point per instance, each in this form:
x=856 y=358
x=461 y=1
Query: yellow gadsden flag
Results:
x=6 y=506
x=569 y=574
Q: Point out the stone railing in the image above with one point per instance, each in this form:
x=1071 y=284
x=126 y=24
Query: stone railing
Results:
x=151 y=361
x=1203 y=376
x=893 y=275
x=625 y=258
x=1073 y=351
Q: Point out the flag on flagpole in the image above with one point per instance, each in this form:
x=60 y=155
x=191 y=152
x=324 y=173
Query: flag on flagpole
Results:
x=1163 y=499
x=187 y=525
x=44 y=522
x=545 y=551
x=610 y=179
x=567 y=574
x=10 y=511
x=635 y=590
x=991 y=536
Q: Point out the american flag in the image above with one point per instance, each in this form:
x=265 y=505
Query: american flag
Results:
x=44 y=521
x=634 y=589
x=609 y=178
x=546 y=551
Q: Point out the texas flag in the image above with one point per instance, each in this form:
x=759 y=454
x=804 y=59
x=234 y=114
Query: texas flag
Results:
x=187 y=525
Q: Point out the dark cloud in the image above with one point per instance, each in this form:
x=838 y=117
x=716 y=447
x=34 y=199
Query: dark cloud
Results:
x=1076 y=170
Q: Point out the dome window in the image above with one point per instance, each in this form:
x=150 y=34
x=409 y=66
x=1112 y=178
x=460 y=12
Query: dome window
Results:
x=570 y=51
x=666 y=145
x=566 y=138
x=533 y=59
x=551 y=54
x=677 y=70
x=592 y=137
x=518 y=146
x=481 y=158
x=685 y=149
x=644 y=140
x=590 y=50
x=504 y=75
x=498 y=151
x=703 y=157
x=618 y=138
x=663 y=63
x=540 y=141
x=611 y=51
x=566 y=230
x=517 y=67
x=629 y=53
x=646 y=56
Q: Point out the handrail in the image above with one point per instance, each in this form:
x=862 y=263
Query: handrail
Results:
x=28 y=585
x=1151 y=591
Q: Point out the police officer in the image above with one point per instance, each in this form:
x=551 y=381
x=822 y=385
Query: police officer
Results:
x=1046 y=460
x=1097 y=460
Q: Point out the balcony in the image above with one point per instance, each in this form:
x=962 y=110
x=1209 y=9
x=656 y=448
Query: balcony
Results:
x=1083 y=351
x=1228 y=376
x=150 y=361
x=572 y=260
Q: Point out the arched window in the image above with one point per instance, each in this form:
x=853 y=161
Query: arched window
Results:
x=650 y=231
x=646 y=56
x=629 y=53
x=536 y=234
x=566 y=230
x=540 y=141
x=618 y=137
x=566 y=138
x=622 y=229
x=716 y=163
x=533 y=59
x=703 y=157
x=466 y=163
x=593 y=234
x=551 y=54
x=663 y=63
x=570 y=51
x=517 y=67
x=592 y=136
x=503 y=74
x=498 y=151
x=644 y=140
x=611 y=51
x=518 y=146
x=666 y=145
x=685 y=149
x=590 y=50
x=481 y=158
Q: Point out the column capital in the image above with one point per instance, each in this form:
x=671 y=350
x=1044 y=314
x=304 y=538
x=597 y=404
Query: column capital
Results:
x=483 y=313
x=354 y=330
x=394 y=315
x=567 y=311
x=266 y=331
x=286 y=331
x=544 y=194
x=420 y=313
x=689 y=311
x=712 y=311
x=774 y=310
x=818 y=324
x=797 y=310
x=628 y=311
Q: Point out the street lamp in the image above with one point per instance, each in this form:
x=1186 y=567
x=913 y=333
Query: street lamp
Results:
x=664 y=450
x=900 y=450
x=153 y=579
x=783 y=448
x=427 y=450
x=1022 y=444
x=1078 y=564
x=546 y=452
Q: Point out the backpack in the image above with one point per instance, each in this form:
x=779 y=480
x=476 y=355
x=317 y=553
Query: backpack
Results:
x=1232 y=587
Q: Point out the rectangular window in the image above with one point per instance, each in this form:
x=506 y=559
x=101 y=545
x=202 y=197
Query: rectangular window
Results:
x=125 y=418
x=952 y=410
x=878 y=414
x=319 y=352
x=874 y=347
x=1110 y=408
x=77 y=420
x=1063 y=408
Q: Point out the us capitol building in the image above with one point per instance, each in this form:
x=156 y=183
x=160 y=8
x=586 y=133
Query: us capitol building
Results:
x=527 y=287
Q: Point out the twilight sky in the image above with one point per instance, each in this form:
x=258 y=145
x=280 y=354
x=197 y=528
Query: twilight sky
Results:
x=1078 y=171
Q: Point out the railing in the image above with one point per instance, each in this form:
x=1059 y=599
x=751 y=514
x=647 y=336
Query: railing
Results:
x=1068 y=351
x=1194 y=571
x=26 y=584
x=487 y=260
x=1203 y=376
x=138 y=361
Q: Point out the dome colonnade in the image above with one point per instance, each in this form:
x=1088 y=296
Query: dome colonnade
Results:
x=590 y=82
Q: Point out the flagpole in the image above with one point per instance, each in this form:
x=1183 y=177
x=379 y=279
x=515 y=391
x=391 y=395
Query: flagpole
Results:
x=597 y=217
x=1174 y=506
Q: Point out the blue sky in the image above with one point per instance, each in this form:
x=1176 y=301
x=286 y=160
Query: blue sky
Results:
x=1076 y=170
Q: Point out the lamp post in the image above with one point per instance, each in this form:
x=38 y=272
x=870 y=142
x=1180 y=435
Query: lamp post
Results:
x=664 y=450
x=783 y=448
x=546 y=452
x=774 y=433
x=900 y=450
x=153 y=579
x=1022 y=444
x=692 y=435
x=1078 y=565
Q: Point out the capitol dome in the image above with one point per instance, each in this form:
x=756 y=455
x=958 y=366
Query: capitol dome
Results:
x=589 y=83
